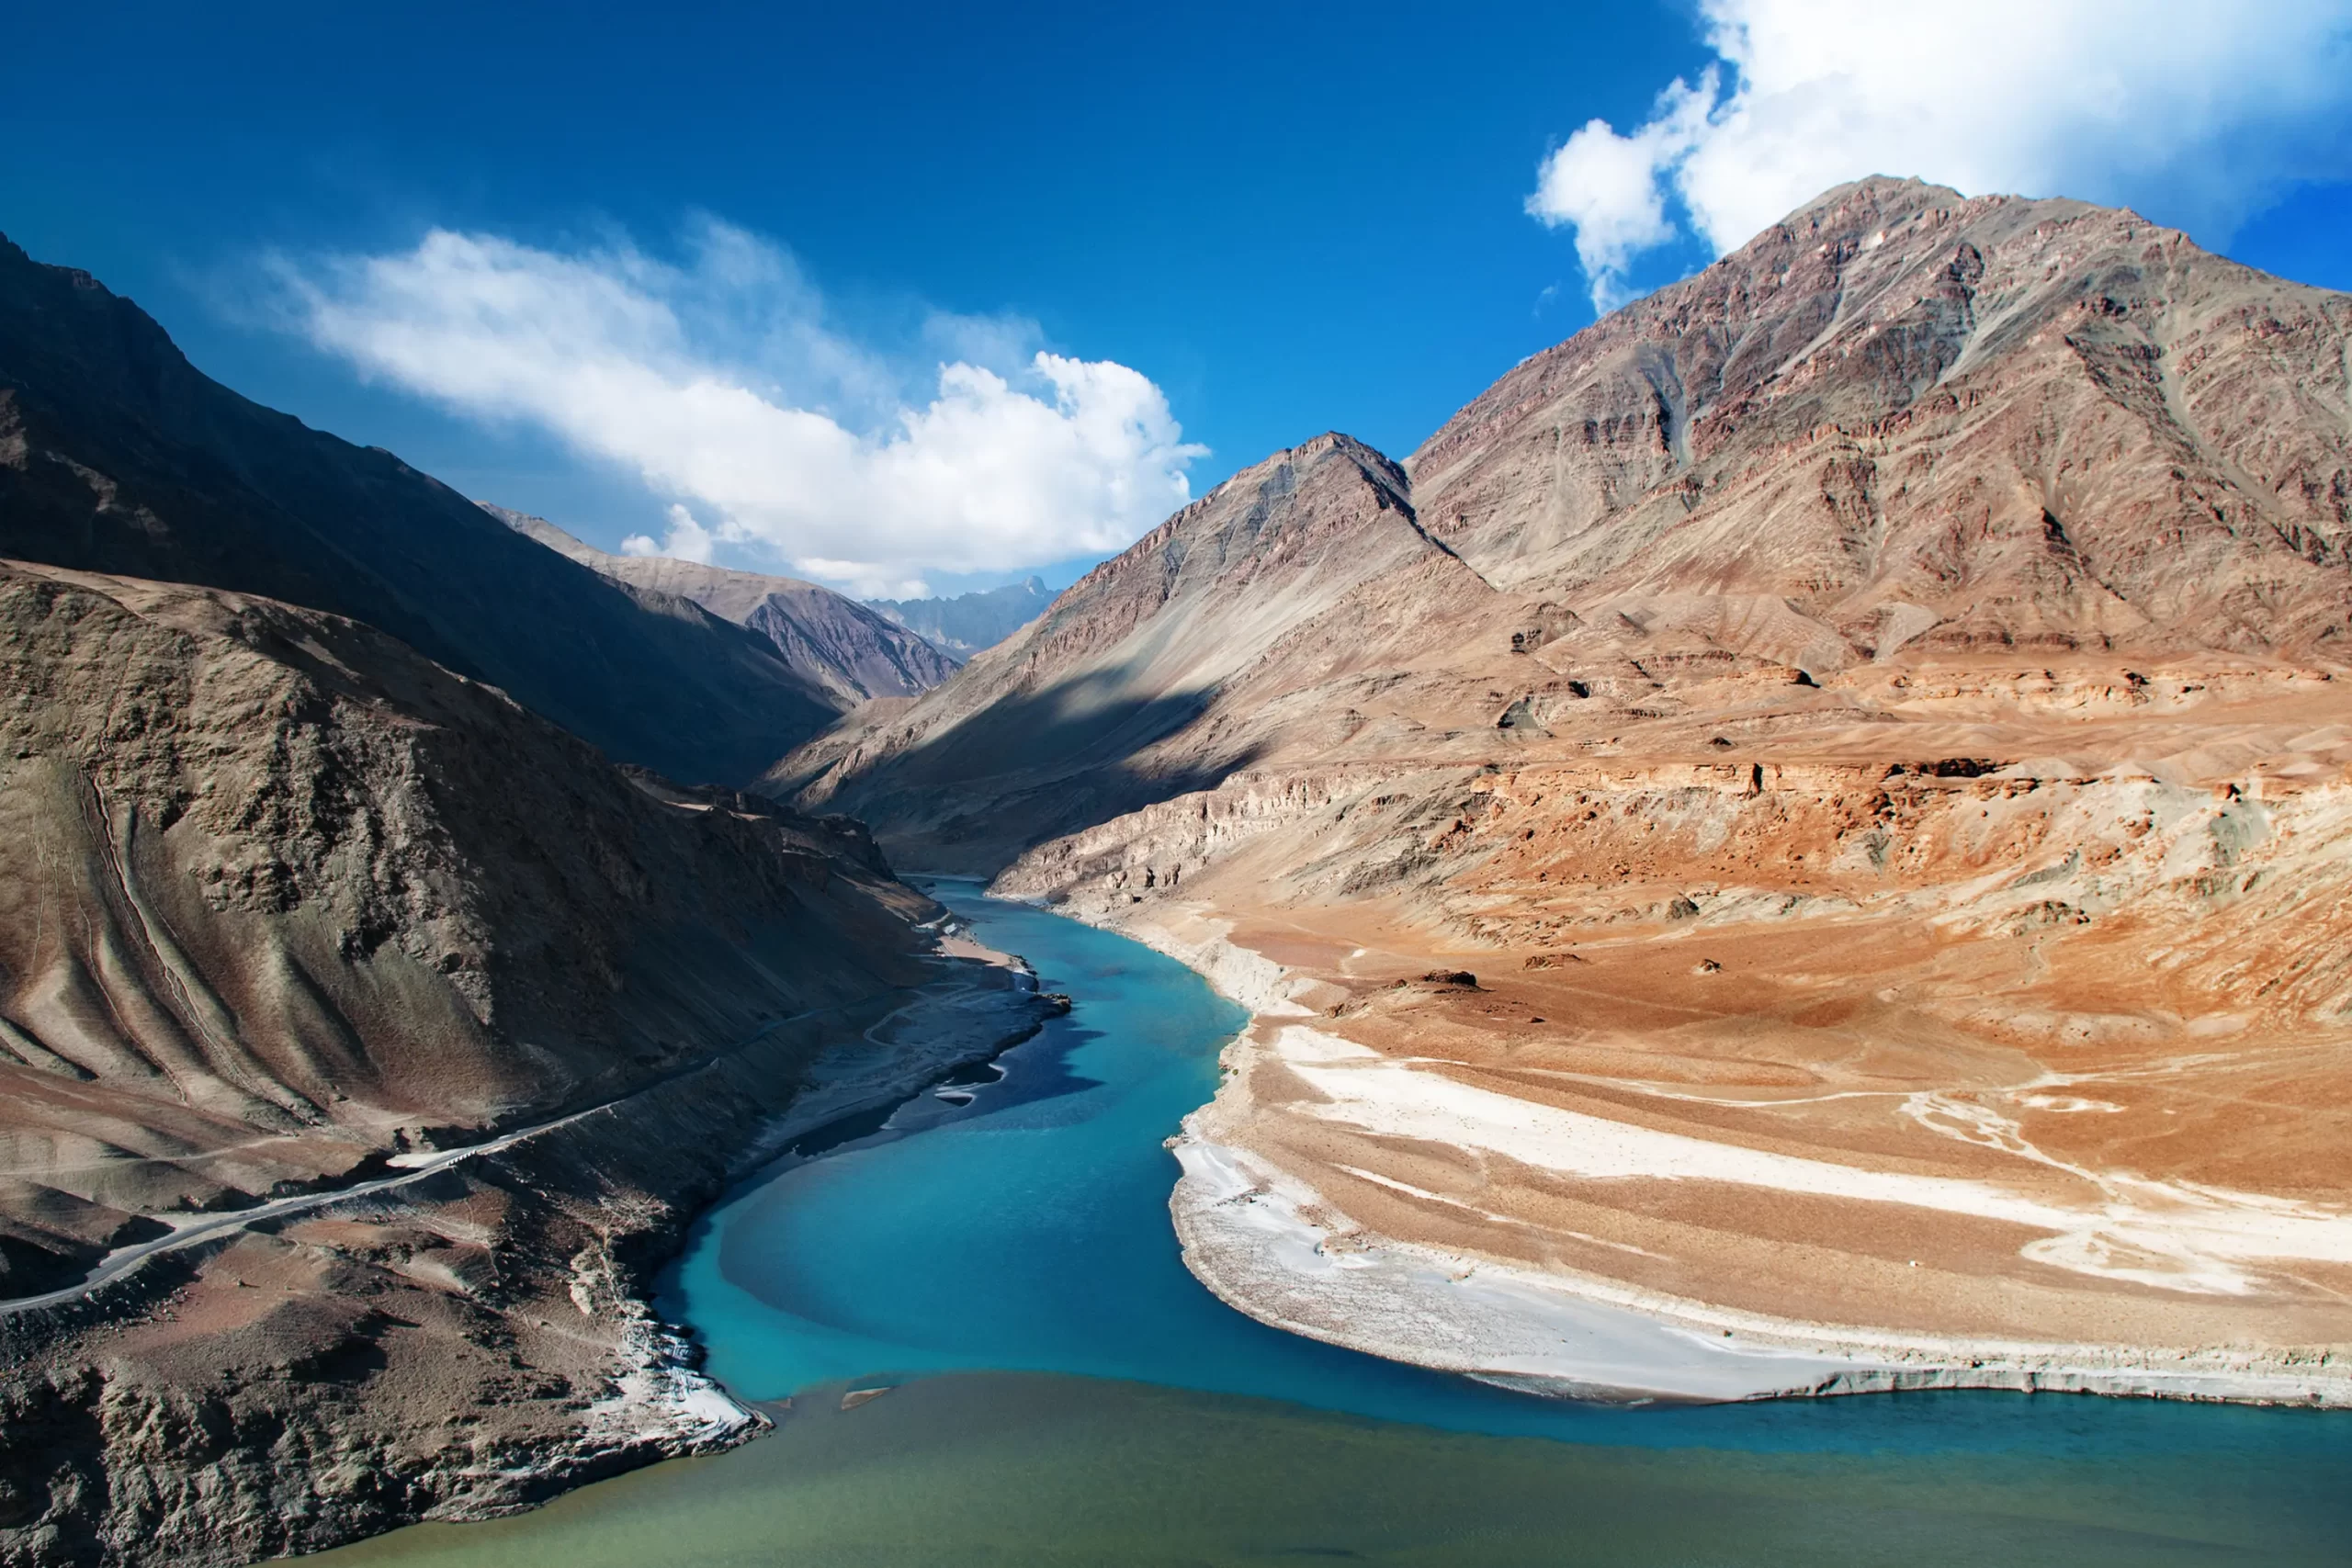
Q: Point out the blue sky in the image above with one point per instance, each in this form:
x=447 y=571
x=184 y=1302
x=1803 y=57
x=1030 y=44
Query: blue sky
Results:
x=1253 y=222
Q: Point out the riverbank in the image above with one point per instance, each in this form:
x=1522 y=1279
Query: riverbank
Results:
x=466 y=1344
x=1019 y=1221
x=1269 y=1243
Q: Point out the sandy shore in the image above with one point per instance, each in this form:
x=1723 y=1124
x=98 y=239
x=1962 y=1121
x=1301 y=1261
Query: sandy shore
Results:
x=1272 y=1246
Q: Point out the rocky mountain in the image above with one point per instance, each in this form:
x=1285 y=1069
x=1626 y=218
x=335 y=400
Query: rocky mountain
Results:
x=830 y=640
x=370 y=1021
x=1116 y=697
x=117 y=455
x=1898 y=420
x=1993 y=424
x=971 y=622
x=1815 y=809
x=408 y=1030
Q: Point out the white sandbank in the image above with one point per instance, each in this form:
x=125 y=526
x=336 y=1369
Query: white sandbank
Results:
x=1248 y=1237
x=2163 y=1234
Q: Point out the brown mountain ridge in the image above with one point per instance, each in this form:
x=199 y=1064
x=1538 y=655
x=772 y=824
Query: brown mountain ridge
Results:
x=831 y=640
x=117 y=455
x=1872 y=719
x=366 y=1035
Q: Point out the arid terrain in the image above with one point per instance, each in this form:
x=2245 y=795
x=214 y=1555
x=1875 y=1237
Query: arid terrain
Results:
x=292 y=919
x=1799 y=844
x=1818 y=811
x=367 y=1038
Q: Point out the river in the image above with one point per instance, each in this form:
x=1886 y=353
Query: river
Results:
x=998 y=1253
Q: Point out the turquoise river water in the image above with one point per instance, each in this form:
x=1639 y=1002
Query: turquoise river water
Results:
x=998 y=1253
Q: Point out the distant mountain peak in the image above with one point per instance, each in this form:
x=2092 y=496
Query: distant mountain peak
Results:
x=831 y=639
x=971 y=623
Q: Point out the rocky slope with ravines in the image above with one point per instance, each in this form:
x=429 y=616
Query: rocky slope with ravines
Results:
x=835 y=643
x=119 y=455
x=424 y=1028
x=1816 y=808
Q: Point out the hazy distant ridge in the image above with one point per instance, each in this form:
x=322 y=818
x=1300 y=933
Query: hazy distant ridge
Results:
x=830 y=639
x=971 y=622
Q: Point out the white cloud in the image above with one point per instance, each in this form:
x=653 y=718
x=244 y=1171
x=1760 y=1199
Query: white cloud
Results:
x=2201 y=111
x=720 y=383
x=1606 y=185
x=685 y=540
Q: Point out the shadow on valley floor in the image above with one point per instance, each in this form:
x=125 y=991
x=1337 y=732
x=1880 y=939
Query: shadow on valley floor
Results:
x=1031 y=766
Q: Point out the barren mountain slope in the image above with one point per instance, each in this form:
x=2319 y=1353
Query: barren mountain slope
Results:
x=117 y=455
x=1873 y=720
x=1121 y=693
x=285 y=907
x=1988 y=422
x=832 y=641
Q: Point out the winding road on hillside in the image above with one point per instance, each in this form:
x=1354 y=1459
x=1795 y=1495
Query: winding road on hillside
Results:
x=189 y=1230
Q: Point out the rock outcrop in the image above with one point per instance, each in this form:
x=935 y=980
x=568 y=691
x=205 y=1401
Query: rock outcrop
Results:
x=832 y=641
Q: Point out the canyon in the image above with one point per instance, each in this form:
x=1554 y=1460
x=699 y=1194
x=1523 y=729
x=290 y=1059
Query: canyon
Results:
x=1813 y=811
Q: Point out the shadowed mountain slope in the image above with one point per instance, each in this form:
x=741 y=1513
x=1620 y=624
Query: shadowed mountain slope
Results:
x=1899 y=425
x=117 y=455
x=828 y=639
x=274 y=889
x=462 y=1018
x=1119 y=694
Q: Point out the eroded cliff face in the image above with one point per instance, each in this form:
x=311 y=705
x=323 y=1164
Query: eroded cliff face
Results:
x=1838 y=820
x=287 y=912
